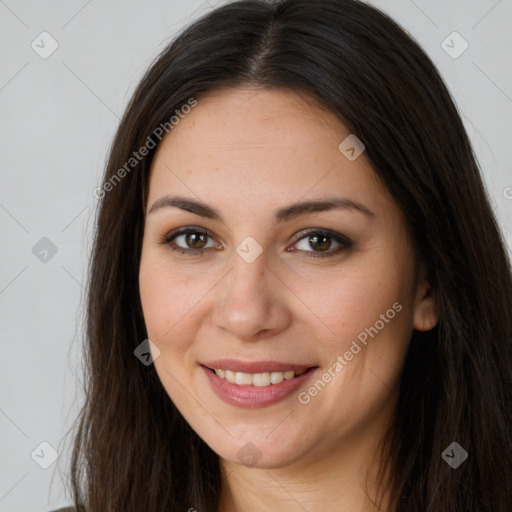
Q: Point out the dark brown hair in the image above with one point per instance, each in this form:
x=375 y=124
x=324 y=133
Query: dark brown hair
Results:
x=133 y=450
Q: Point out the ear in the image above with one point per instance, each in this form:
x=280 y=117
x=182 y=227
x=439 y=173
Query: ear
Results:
x=426 y=311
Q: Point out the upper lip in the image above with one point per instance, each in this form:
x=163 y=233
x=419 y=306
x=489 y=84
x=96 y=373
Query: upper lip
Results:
x=254 y=366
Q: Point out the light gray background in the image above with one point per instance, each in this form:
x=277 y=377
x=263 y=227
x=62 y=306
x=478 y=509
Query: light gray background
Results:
x=58 y=116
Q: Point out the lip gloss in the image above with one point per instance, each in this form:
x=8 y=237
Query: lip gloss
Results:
x=252 y=397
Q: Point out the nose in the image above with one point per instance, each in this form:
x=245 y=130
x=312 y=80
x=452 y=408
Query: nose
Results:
x=251 y=301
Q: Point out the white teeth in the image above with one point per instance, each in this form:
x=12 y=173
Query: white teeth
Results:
x=261 y=379
x=230 y=376
x=243 y=379
x=276 y=377
x=257 y=379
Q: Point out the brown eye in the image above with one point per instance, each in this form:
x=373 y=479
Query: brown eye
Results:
x=319 y=242
x=195 y=240
x=189 y=240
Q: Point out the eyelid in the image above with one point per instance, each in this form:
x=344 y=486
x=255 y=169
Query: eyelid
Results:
x=339 y=237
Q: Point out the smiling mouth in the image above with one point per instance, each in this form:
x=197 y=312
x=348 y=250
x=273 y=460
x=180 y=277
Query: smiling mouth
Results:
x=257 y=379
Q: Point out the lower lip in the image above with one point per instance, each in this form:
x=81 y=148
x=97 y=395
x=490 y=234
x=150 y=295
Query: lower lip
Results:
x=252 y=397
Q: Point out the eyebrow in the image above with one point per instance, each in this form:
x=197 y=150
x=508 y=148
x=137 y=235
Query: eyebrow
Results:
x=282 y=214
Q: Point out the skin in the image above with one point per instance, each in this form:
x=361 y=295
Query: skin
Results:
x=247 y=152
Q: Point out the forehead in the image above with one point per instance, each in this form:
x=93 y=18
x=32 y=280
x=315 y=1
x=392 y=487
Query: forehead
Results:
x=247 y=147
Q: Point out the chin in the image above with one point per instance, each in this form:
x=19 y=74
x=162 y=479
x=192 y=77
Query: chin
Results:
x=261 y=455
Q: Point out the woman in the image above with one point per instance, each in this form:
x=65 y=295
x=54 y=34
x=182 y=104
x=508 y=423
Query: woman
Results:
x=299 y=297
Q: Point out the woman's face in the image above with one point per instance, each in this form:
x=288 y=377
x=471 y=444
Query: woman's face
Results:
x=276 y=289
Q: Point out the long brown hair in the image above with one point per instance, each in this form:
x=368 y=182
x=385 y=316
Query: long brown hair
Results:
x=133 y=450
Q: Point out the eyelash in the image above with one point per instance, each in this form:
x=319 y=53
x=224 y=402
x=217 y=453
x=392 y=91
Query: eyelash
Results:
x=345 y=242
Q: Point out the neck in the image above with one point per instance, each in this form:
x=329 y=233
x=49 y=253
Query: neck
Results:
x=344 y=479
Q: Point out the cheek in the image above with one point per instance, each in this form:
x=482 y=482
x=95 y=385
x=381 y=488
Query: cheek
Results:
x=354 y=298
x=173 y=304
x=166 y=294
x=156 y=298
x=165 y=301
x=370 y=312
